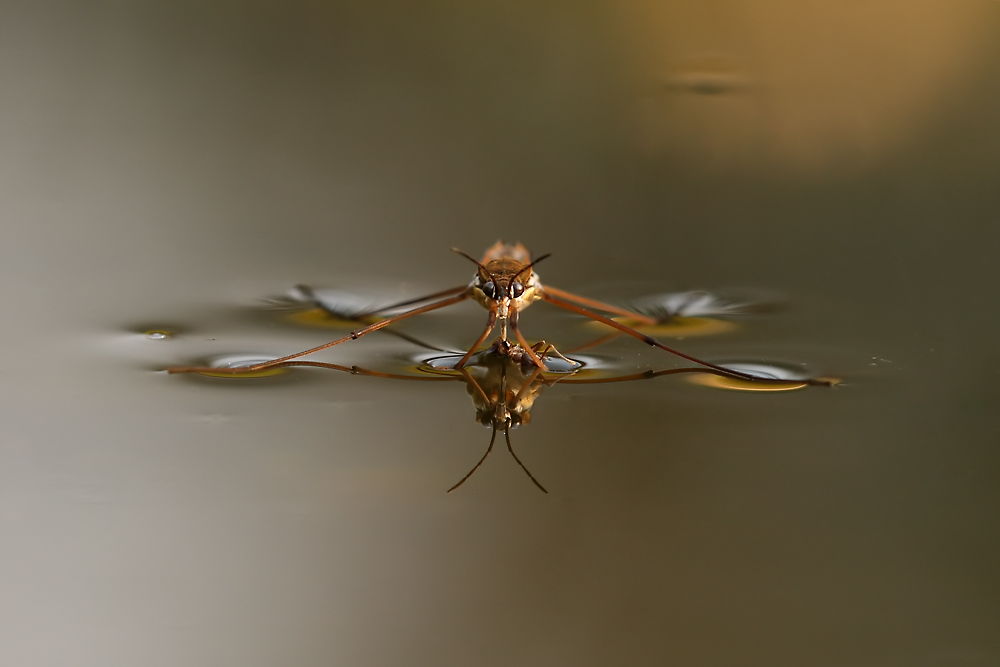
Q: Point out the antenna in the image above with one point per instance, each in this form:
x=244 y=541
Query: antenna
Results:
x=518 y=274
x=477 y=263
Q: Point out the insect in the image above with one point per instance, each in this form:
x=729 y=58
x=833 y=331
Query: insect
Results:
x=504 y=284
x=505 y=379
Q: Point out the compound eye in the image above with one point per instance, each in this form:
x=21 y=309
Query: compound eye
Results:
x=516 y=289
x=490 y=290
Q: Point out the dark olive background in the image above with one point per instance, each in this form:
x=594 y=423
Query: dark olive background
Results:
x=172 y=164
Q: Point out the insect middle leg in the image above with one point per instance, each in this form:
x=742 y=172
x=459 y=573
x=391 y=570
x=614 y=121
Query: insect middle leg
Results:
x=354 y=335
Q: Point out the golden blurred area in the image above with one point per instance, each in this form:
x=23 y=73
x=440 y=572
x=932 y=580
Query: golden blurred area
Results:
x=800 y=85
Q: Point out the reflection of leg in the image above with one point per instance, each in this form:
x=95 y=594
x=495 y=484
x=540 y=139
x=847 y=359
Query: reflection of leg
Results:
x=354 y=335
x=649 y=375
x=472 y=381
x=476 y=467
x=607 y=338
x=490 y=323
x=511 y=404
x=419 y=343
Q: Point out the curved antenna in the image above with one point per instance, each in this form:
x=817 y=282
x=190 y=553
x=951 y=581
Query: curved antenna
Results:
x=506 y=434
x=488 y=450
x=518 y=274
x=477 y=263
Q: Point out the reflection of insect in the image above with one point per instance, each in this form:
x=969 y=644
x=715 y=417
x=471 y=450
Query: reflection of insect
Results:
x=504 y=382
x=504 y=285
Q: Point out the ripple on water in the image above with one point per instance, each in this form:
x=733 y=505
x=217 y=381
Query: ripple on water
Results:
x=240 y=361
x=158 y=332
x=446 y=362
x=794 y=377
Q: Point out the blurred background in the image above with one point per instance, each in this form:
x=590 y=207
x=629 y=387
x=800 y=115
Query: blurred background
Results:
x=171 y=165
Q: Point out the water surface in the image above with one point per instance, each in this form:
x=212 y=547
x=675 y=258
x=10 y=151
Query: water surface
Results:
x=168 y=170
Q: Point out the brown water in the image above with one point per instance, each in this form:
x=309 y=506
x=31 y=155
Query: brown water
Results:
x=173 y=167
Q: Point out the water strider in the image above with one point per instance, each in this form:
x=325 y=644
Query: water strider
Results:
x=504 y=285
x=505 y=379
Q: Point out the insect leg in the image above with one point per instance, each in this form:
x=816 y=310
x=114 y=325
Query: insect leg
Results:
x=598 y=305
x=358 y=370
x=365 y=317
x=551 y=349
x=410 y=302
x=649 y=375
x=490 y=323
x=520 y=338
x=649 y=340
x=354 y=335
